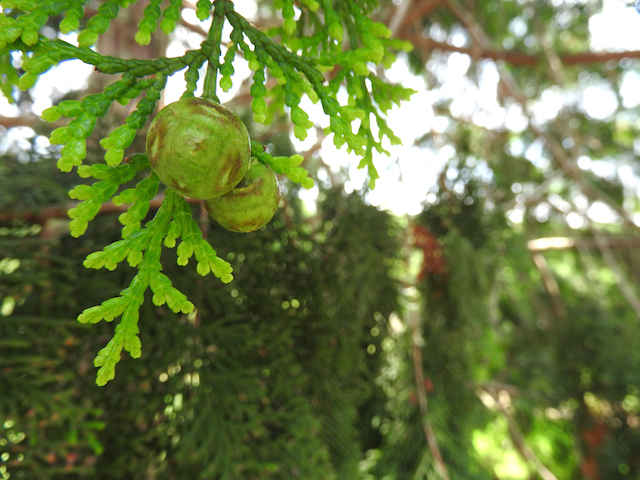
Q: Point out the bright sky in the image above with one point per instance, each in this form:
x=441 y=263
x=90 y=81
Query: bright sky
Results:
x=410 y=172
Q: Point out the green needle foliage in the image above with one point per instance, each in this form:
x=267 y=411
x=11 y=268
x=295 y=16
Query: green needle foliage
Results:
x=336 y=37
x=271 y=380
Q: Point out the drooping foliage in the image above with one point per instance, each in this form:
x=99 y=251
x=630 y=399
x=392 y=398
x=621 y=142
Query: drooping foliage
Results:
x=506 y=364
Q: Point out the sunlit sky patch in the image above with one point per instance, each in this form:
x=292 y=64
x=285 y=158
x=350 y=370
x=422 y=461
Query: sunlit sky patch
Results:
x=615 y=27
x=410 y=172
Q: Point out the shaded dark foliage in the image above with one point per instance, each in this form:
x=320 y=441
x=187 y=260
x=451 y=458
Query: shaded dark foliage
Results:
x=270 y=379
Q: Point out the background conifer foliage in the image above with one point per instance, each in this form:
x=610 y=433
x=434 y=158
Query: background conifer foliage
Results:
x=494 y=333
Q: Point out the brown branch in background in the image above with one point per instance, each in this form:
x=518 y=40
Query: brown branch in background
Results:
x=42 y=215
x=36 y=216
x=513 y=57
x=399 y=16
x=20 y=121
x=193 y=27
x=555 y=63
x=187 y=4
x=597 y=57
x=314 y=149
x=550 y=284
x=416 y=341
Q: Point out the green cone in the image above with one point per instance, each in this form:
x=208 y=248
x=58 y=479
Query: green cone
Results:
x=251 y=205
x=198 y=148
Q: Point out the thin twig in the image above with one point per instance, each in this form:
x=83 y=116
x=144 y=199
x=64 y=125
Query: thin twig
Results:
x=543 y=244
x=399 y=16
x=28 y=120
x=550 y=284
x=40 y=216
x=518 y=440
x=626 y=287
x=193 y=27
x=416 y=340
x=515 y=58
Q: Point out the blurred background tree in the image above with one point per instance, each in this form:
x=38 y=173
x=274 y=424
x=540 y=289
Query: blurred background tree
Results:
x=494 y=333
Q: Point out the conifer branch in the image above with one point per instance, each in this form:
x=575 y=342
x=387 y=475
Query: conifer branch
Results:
x=295 y=63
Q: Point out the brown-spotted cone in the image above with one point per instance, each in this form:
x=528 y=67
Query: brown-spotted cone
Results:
x=198 y=148
x=249 y=206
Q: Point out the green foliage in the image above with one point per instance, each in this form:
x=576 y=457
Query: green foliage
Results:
x=109 y=180
x=269 y=379
x=142 y=248
x=99 y=23
x=73 y=136
x=291 y=370
x=296 y=76
x=306 y=49
x=284 y=165
x=8 y=75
